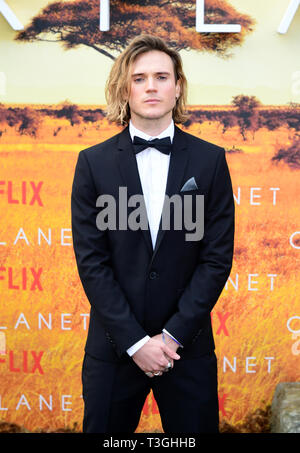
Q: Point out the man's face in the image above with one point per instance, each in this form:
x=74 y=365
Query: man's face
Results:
x=153 y=89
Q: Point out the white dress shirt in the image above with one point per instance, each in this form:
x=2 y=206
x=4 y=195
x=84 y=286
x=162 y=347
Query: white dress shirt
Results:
x=153 y=167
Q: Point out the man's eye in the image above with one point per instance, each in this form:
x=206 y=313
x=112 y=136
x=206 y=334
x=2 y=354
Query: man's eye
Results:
x=138 y=79
x=162 y=77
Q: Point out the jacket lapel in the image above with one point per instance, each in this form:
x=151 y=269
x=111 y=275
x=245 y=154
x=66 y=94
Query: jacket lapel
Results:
x=130 y=173
x=177 y=166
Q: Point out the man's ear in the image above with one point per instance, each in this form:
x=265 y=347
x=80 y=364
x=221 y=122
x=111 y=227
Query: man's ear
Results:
x=178 y=89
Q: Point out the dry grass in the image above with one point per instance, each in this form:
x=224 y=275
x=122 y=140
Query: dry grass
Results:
x=257 y=319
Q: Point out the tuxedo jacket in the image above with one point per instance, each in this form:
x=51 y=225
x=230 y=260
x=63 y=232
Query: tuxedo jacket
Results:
x=134 y=290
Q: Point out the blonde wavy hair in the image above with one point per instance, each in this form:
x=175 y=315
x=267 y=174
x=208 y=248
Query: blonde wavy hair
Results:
x=117 y=86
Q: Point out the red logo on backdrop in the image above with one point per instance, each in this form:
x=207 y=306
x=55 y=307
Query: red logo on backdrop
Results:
x=222 y=318
x=29 y=193
x=22 y=279
x=24 y=362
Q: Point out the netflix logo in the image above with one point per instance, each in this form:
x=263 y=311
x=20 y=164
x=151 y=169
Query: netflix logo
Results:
x=219 y=322
x=21 y=279
x=24 y=362
x=26 y=194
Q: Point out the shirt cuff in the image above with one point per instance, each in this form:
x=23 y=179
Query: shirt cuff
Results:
x=137 y=345
x=165 y=331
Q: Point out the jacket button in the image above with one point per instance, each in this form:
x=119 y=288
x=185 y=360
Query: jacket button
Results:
x=153 y=275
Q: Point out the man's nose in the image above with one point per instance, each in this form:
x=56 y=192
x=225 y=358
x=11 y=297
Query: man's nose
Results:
x=150 y=86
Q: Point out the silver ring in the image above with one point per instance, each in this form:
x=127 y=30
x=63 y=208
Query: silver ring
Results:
x=157 y=374
x=168 y=366
x=149 y=374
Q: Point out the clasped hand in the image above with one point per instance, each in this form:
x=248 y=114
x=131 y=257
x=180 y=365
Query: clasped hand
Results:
x=153 y=358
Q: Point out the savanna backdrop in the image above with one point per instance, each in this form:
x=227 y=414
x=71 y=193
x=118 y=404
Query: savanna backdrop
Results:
x=44 y=312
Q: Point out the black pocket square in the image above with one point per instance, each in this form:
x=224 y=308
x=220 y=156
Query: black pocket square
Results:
x=190 y=184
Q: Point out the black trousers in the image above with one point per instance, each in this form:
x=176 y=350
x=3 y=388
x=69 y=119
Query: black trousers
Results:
x=114 y=395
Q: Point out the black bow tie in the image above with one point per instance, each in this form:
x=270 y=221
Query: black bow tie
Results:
x=163 y=145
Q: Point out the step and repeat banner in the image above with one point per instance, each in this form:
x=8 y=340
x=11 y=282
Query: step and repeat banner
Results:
x=241 y=61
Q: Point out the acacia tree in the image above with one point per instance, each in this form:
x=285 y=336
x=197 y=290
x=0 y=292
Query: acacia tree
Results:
x=77 y=23
x=247 y=113
x=228 y=120
x=289 y=154
x=25 y=120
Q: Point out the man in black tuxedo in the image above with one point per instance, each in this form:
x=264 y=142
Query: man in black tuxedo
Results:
x=152 y=288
